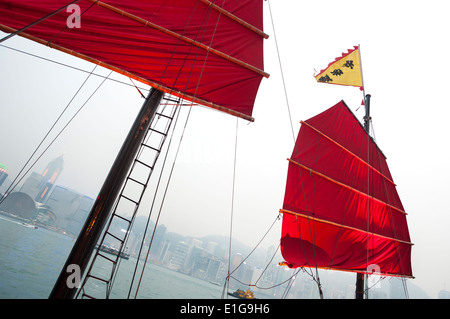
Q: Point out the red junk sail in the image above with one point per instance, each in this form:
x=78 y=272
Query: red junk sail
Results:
x=341 y=209
x=209 y=53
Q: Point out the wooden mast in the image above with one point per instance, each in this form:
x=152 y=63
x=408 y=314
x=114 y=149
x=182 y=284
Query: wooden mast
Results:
x=101 y=210
x=360 y=285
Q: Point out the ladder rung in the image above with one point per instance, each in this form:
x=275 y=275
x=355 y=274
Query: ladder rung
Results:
x=107 y=258
x=151 y=147
x=156 y=131
x=172 y=100
x=98 y=278
x=121 y=240
x=86 y=295
x=141 y=162
x=136 y=181
x=164 y=115
x=131 y=200
x=123 y=218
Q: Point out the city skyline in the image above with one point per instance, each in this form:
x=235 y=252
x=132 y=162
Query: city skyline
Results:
x=54 y=206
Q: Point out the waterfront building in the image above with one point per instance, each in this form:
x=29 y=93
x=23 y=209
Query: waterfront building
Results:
x=3 y=174
x=19 y=204
x=179 y=256
x=69 y=207
x=49 y=177
x=39 y=186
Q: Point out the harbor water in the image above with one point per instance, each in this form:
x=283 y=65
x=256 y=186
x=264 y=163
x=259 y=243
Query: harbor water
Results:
x=31 y=260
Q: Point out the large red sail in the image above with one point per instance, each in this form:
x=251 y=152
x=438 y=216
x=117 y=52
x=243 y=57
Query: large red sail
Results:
x=341 y=209
x=210 y=52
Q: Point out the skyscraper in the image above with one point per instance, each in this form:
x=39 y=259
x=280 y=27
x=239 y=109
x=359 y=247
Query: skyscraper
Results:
x=49 y=176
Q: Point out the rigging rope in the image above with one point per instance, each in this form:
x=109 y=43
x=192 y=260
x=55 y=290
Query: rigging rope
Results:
x=243 y=261
x=232 y=206
x=187 y=84
x=281 y=70
x=181 y=138
x=67 y=26
x=403 y=279
x=74 y=68
x=162 y=202
x=291 y=124
x=38 y=21
x=13 y=185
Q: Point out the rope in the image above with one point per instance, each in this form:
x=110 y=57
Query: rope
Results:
x=405 y=288
x=232 y=204
x=243 y=261
x=281 y=70
x=74 y=68
x=142 y=272
x=153 y=202
x=293 y=134
x=12 y=186
x=66 y=27
x=291 y=282
x=173 y=165
x=39 y=20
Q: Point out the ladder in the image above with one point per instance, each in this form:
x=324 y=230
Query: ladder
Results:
x=112 y=245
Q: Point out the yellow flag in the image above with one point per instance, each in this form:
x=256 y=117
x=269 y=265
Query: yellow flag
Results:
x=345 y=70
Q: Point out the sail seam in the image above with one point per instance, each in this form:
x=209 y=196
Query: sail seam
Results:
x=343 y=226
x=346 y=186
x=348 y=151
x=181 y=37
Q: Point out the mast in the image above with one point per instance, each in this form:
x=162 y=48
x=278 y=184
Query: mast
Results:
x=367 y=116
x=359 y=291
x=100 y=212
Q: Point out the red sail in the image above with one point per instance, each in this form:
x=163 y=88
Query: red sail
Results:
x=208 y=53
x=341 y=208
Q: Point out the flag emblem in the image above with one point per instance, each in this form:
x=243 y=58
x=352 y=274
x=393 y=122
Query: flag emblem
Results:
x=344 y=70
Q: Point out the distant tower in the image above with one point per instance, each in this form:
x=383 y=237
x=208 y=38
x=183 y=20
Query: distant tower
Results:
x=49 y=176
x=3 y=174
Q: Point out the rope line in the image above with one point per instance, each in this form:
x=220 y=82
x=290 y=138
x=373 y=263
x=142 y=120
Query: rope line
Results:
x=251 y=252
x=195 y=93
x=49 y=42
x=73 y=67
x=232 y=204
x=403 y=279
x=13 y=185
x=281 y=70
x=291 y=125
x=153 y=202
x=38 y=21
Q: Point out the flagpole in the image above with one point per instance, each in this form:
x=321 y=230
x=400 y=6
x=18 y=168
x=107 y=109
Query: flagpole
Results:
x=361 y=71
x=361 y=278
x=335 y=72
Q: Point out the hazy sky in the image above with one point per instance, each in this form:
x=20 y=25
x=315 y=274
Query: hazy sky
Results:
x=404 y=48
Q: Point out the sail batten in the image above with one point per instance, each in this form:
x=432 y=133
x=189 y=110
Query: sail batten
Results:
x=346 y=186
x=341 y=207
x=315 y=219
x=359 y=158
x=233 y=17
x=180 y=37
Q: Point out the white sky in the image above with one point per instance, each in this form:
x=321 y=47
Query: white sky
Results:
x=404 y=48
